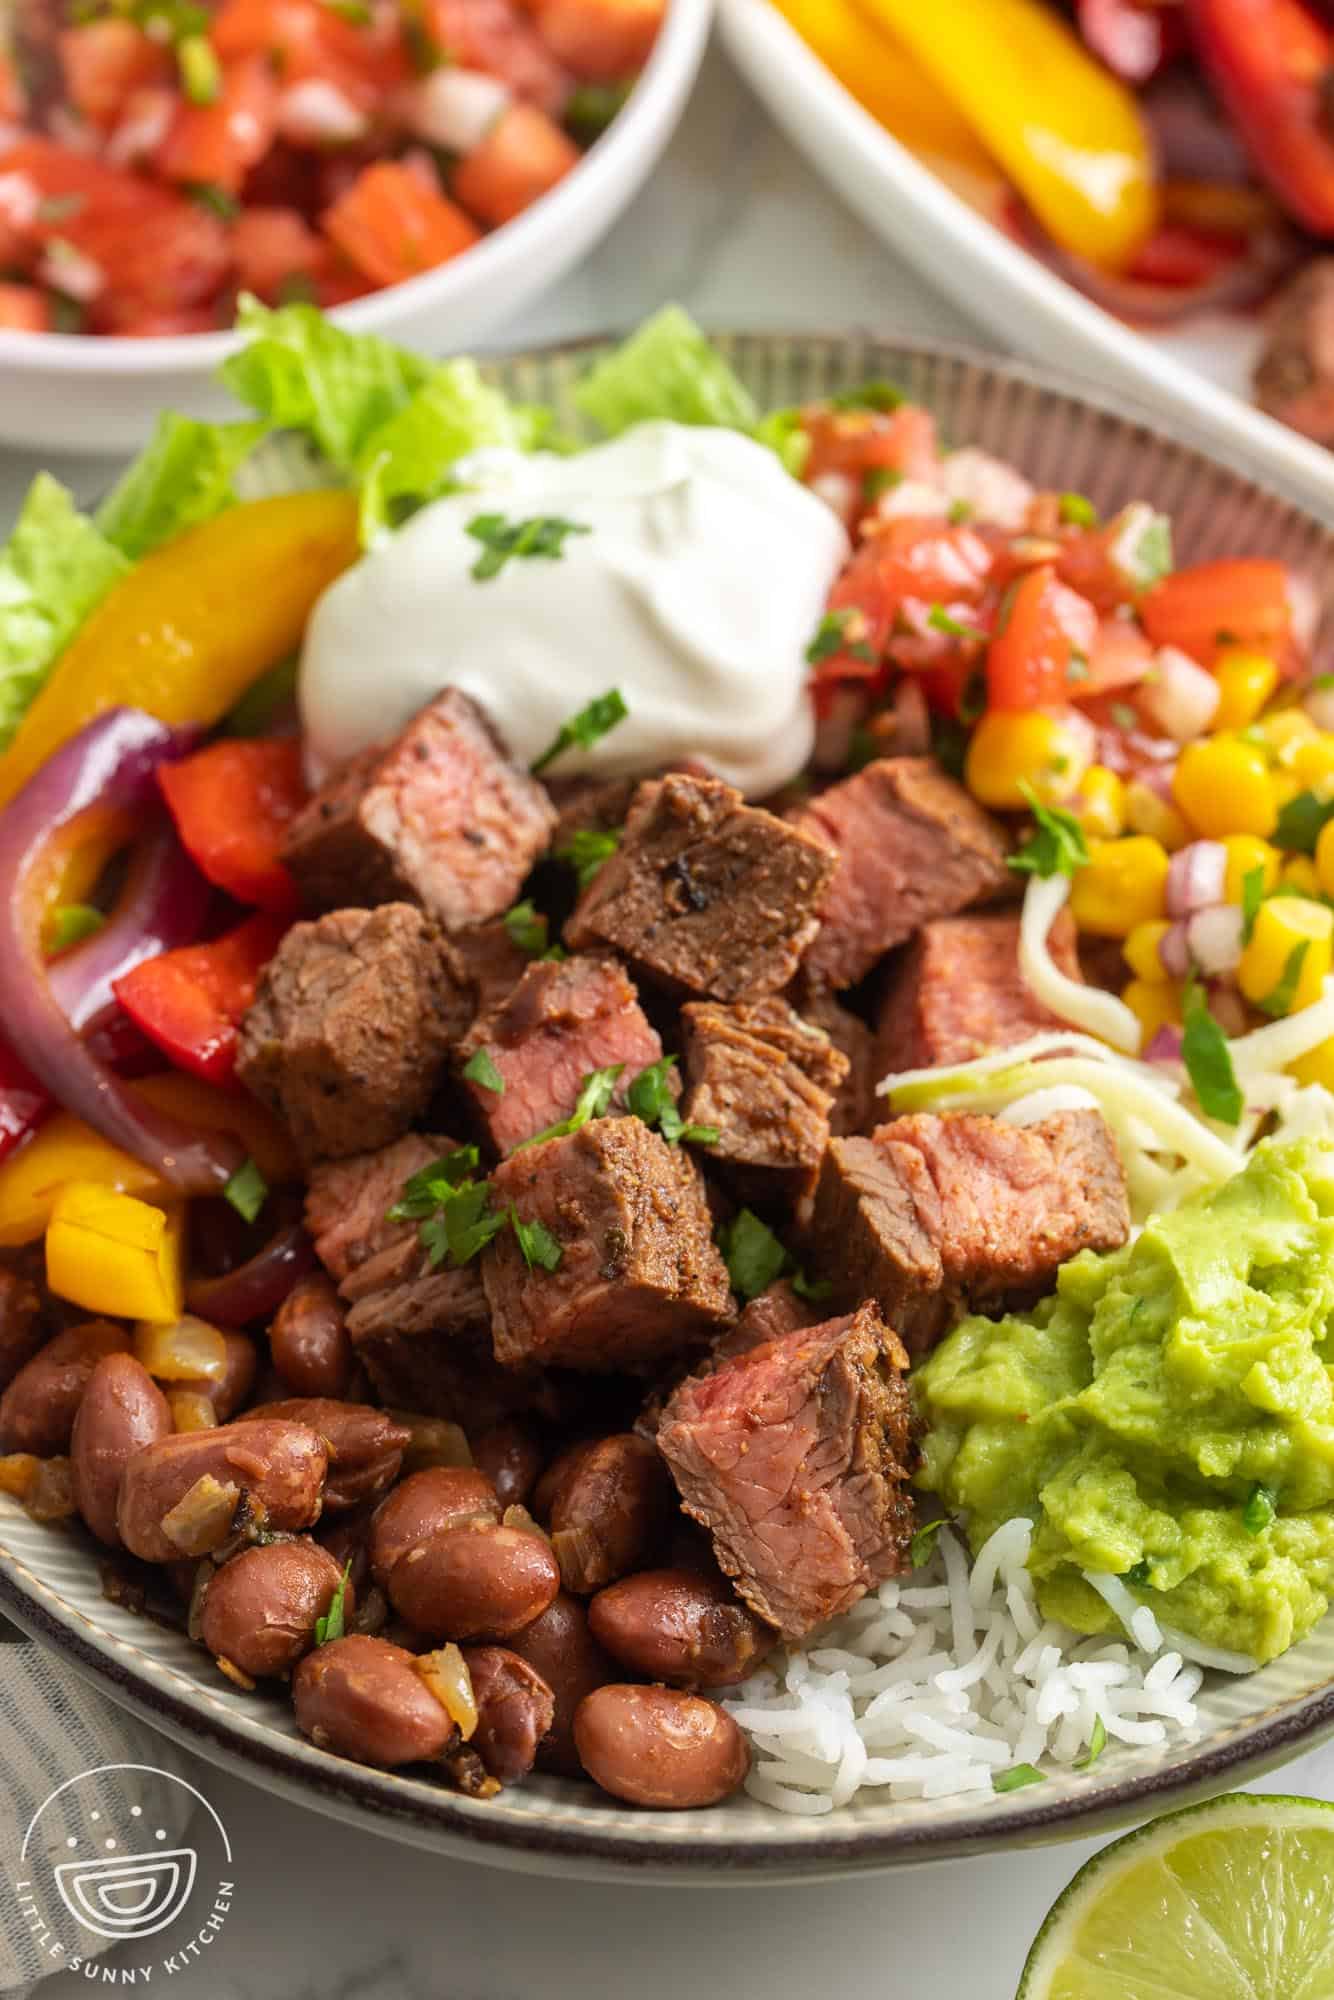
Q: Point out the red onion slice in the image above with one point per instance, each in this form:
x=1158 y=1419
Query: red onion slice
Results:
x=1174 y=951
x=163 y=905
x=1228 y=1008
x=255 y=1289
x=1178 y=696
x=1196 y=876
x=1164 y=1046
x=113 y=760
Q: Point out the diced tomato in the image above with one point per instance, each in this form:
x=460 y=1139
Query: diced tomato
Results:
x=270 y=246
x=23 y=309
x=1177 y=254
x=521 y=158
x=852 y=443
x=305 y=39
x=233 y=803
x=1243 y=602
x=1120 y=658
x=23 y=1101
x=190 y=1002
x=215 y=145
x=1044 y=631
x=600 y=40
x=392 y=227
x=12 y=105
x=951 y=688
x=910 y=560
x=1104 y=564
x=104 y=62
x=492 y=35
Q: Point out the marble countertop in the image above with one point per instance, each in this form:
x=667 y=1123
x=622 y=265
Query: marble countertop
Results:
x=735 y=226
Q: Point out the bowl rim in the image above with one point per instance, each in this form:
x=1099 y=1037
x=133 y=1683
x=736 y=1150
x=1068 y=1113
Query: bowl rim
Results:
x=610 y=159
x=763 y=1851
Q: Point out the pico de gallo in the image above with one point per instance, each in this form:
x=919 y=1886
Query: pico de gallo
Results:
x=159 y=157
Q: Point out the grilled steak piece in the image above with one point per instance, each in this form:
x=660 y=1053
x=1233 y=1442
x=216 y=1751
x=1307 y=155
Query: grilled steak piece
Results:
x=640 y=1277
x=767 y=1081
x=854 y=1106
x=491 y=961
x=933 y=1215
x=347 y=1201
x=440 y=817
x=795 y=1456
x=957 y=991
x=706 y=895
x=911 y=845
x=1294 y=377
x=562 y=1020
x=777 y=1311
x=348 y=1031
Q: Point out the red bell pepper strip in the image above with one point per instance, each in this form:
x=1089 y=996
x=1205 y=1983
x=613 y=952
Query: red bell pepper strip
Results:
x=23 y=1102
x=1270 y=61
x=190 y=1002
x=232 y=804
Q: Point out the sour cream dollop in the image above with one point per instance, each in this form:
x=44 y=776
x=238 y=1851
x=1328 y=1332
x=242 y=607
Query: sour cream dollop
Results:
x=695 y=591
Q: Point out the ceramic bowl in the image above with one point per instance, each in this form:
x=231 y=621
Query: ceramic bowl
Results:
x=70 y=392
x=49 y=1578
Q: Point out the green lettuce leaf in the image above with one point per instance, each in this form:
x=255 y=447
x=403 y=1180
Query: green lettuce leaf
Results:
x=54 y=568
x=183 y=477
x=301 y=371
x=668 y=369
x=406 y=460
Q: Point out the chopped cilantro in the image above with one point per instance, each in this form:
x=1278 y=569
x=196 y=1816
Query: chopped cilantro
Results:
x=1150 y=558
x=831 y=636
x=877 y=394
x=940 y=620
x=330 y=1624
x=878 y=480
x=1139 y=1574
x=215 y=200
x=590 y=108
x=543 y=535
x=1260 y=1509
x=71 y=924
x=526 y=927
x=1301 y=821
x=589 y=847
x=537 y=1243
x=247 y=1190
x=1017 y=1777
x=1055 y=847
x=356 y=12
x=481 y=1070
x=1252 y=895
x=958 y=512
x=923 y=1544
x=584 y=729
x=650 y=1098
x=1078 y=511
x=1077 y=668
x=1124 y=716
x=1280 y=999
x=753 y=1254
x=425 y=1190
x=1208 y=1060
x=1321 y=682
x=201 y=72
x=1097 y=1744
x=595 y=1095
x=815 y=1290
x=464 y=1223
x=424 y=52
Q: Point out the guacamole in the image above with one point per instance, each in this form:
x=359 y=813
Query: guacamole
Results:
x=1168 y=1415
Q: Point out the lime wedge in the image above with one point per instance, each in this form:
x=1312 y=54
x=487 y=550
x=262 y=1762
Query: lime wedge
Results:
x=1231 y=1900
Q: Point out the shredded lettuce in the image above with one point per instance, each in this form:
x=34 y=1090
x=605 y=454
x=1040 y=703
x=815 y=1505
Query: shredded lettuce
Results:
x=407 y=459
x=56 y=565
x=668 y=369
x=183 y=477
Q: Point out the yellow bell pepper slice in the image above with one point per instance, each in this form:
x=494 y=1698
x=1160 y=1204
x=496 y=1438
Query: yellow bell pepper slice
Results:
x=192 y=625
x=114 y=1255
x=64 y=1149
x=1070 y=136
x=885 y=80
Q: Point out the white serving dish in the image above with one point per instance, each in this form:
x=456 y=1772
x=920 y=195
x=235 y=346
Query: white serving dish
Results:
x=1194 y=376
x=71 y=392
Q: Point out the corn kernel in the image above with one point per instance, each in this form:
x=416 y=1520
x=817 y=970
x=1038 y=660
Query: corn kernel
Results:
x=1123 y=884
x=1284 y=786
x=1155 y=1004
x=1317 y=1066
x=114 y=1255
x=1014 y=748
x=1313 y=764
x=1223 y=786
x=1157 y=817
x=1298 y=873
x=1100 y=803
x=1244 y=855
x=1141 y=954
x=1245 y=682
x=1285 y=731
x=1283 y=926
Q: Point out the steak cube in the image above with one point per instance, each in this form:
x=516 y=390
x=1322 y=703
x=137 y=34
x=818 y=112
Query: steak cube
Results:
x=562 y=1020
x=491 y=962
x=767 y=1081
x=957 y=991
x=854 y=1108
x=440 y=817
x=705 y=895
x=349 y=1028
x=935 y=1214
x=639 y=1278
x=795 y=1456
x=911 y=845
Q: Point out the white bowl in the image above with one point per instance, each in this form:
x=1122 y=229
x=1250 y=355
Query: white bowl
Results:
x=73 y=392
x=998 y=284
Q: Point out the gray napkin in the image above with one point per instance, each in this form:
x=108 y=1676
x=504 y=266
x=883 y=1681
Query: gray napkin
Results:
x=54 y=1727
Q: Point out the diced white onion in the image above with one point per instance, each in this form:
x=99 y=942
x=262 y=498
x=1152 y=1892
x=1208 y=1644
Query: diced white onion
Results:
x=992 y=491
x=141 y=127
x=453 y=108
x=1214 y=938
x=20 y=199
x=838 y=491
x=913 y=497
x=1196 y=877
x=1179 y=695
x=316 y=112
x=1087 y=1007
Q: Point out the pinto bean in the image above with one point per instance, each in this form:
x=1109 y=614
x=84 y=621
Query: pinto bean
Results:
x=122 y=1411
x=656 y=1746
x=678 y=1626
x=611 y=1513
x=37 y=1409
x=562 y=1649
x=308 y=1339
x=475 y=1582
x=555 y=1476
x=439 y=1497
x=228 y=1392
x=515 y=1709
x=365 y=1445
x=363 y=1698
x=260 y=1608
x=280 y=1465
x=511 y=1458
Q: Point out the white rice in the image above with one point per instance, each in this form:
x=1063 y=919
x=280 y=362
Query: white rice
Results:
x=929 y=1688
